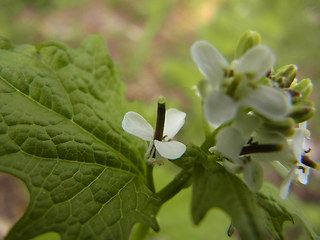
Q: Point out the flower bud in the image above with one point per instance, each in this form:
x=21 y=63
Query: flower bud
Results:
x=285 y=127
x=247 y=41
x=285 y=75
x=304 y=87
x=302 y=111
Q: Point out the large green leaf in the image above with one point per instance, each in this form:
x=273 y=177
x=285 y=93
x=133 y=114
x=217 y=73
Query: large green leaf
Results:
x=60 y=132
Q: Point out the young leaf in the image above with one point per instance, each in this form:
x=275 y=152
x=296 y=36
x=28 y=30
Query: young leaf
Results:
x=274 y=215
x=213 y=186
x=282 y=210
x=60 y=132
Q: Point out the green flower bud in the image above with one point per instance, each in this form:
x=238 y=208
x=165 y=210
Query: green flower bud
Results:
x=285 y=127
x=285 y=75
x=302 y=111
x=304 y=87
x=247 y=41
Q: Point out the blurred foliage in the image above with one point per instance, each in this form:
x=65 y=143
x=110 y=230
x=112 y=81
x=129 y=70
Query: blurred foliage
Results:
x=150 y=42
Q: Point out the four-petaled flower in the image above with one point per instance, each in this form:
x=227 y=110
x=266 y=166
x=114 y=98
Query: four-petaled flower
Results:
x=136 y=125
x=222 y=104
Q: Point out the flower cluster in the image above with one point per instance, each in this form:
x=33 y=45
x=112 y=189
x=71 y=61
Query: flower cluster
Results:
x=262 y=113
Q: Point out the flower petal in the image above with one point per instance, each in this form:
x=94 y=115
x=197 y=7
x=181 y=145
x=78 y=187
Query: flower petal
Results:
x=230 y=143
x=270 y=102
x=303 y=172
x=173 y=122
x=210 y=61
x=219 y=108
x=253 y=175
x=255 y=63
x=170 y=150
x=286 y=184
x=136 y=125
x=298 y=142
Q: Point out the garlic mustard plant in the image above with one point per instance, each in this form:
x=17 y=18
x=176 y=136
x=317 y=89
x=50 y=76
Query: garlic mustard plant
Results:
x=88 y=179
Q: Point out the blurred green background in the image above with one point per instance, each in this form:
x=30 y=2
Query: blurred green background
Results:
x=150 y=41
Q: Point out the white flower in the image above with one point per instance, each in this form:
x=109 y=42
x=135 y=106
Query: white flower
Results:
x=299 y=171
x=230 y=142
x=220 y=107
x=136 y=125
x=245 y=147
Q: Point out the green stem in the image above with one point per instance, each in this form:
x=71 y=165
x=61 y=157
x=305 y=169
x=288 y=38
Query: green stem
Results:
x=150 y=181
x=210 y=140
x=182 y=180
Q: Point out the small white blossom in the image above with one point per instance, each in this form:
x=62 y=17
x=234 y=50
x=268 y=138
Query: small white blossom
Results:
x=220 y=107
x=299 y=171
x=230 y=142
x=136 y=125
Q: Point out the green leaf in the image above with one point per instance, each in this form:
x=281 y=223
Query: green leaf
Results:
x=284 y=209
x=274 y=215
x=60 y=132
x=255 y=216
x=213 y=186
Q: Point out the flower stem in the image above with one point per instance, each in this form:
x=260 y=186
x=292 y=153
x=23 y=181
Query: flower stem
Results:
x=210 y=140
x=182 y=180
x=150 y=181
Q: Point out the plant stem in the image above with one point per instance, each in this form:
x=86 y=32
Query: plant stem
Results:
x=182 y=180
x=150 y=181
x=210 y=140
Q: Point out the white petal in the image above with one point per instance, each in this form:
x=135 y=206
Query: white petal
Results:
x=210 y=61
x=231 y=166
x=256 y=62
x=230 y=143
x=246 y=124
x=286 y=184
x=253 y=175
x=298 y=143
x=270 y=102
x=219 y=108
x=173 y=122
x=135 y=124
x=171 y=150
x=303 y=174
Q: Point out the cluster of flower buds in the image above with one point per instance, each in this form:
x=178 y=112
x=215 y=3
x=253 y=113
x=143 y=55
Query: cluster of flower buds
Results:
x=261 y=113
